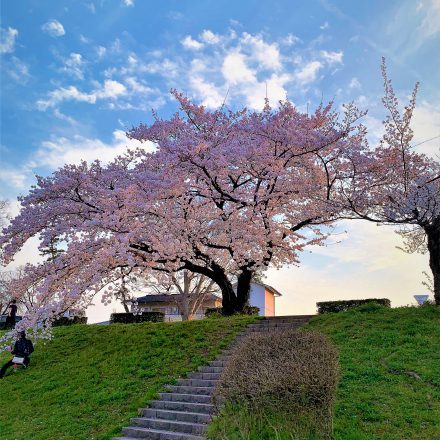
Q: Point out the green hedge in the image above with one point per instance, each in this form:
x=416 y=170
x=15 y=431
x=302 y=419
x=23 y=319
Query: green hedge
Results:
x=342 y=306
x=248 y=310
x=61 y=321
x=129 y=318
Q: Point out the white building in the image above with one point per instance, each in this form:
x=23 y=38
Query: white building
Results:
x=263 y=296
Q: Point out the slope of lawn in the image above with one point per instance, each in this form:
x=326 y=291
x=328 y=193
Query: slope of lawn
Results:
x=89 y=380
x=390 y=372
x=389 y=386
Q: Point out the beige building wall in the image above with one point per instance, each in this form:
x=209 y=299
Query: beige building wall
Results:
x=269 y=303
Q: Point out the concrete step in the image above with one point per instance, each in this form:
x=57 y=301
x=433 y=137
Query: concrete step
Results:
x=273 y=328
x=263 y=323
x=274 y=324
x=177 y=397
x=182 y=416
x=209 y=369
x=202 y=408
x=124 y=438
x=218 y=363
x=197 y=382
x=170 y=425
x=304 y=318
x=203 y=375
x=157 y=434
x=182 y=389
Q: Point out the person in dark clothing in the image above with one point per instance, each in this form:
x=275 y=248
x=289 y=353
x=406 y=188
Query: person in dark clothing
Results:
x=23 y=348
x=10 y=320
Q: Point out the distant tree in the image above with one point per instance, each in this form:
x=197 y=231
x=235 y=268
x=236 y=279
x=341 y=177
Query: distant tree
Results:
x=259 y=276
x=399 y=187
x=4 y=219
x=25 y=298
x=188 y=290
x=5 y=292
x=52 y=250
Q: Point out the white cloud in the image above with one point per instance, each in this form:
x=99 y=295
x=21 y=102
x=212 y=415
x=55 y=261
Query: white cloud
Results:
x=268 y=55
x=325 y=25
x=83 y=39
x=426 y=125
x=101 y=51
x=58 y=151
x=235 y=70
x=206 y=91
x=248 y=65
x=128 y=3
x=189 y=43
x=273 y=88
x=290 y=40
x=53 y=28
x=110 y=90
x=203 y=89
x=135 y=66
x=91 y=7
x=308 y=73
x=209 y=37
x=430 y=25
x=13 y=177
x=332 y=57
x=73 y=66
x=365 y=264
x=63 y=117
x=17 y=70
x=354 y=83
x=137 y=86
x=7 y=39
x=61 y=94
x=175 y=15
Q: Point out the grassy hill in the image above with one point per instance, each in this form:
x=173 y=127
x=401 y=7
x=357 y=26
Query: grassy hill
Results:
x=389 y=387
x=390 y=372
x=89 y=381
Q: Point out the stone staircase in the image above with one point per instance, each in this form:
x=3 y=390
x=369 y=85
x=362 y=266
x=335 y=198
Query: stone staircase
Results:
x=184 y=411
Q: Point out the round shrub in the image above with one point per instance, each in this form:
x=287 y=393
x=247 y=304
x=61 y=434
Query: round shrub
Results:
x=282 y=370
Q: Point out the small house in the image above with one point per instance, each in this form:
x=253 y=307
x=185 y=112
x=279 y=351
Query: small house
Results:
x=263 y=296
x=168 y=305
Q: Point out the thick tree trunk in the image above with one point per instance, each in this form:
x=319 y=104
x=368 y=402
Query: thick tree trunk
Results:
x=243 y=289
x=229 y=299
x=217 y=274
x=433 y=235
x=184 y=310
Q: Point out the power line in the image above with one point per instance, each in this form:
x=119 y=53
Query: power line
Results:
x=427 y=140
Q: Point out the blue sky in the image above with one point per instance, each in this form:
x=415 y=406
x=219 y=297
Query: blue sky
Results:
x=76 y=74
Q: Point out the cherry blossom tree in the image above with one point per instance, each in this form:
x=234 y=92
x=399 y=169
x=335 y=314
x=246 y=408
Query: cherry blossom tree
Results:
x=263 y=179
x=397 y=186
x=223 y=192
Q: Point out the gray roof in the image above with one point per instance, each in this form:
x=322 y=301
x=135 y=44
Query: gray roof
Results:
x=272 y=289
x=166 y=298
x=266 y=286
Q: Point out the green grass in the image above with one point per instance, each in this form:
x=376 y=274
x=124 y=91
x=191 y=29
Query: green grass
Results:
x=89 y=380
x=381 y=351
x=243 y=422
x=389 y=387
